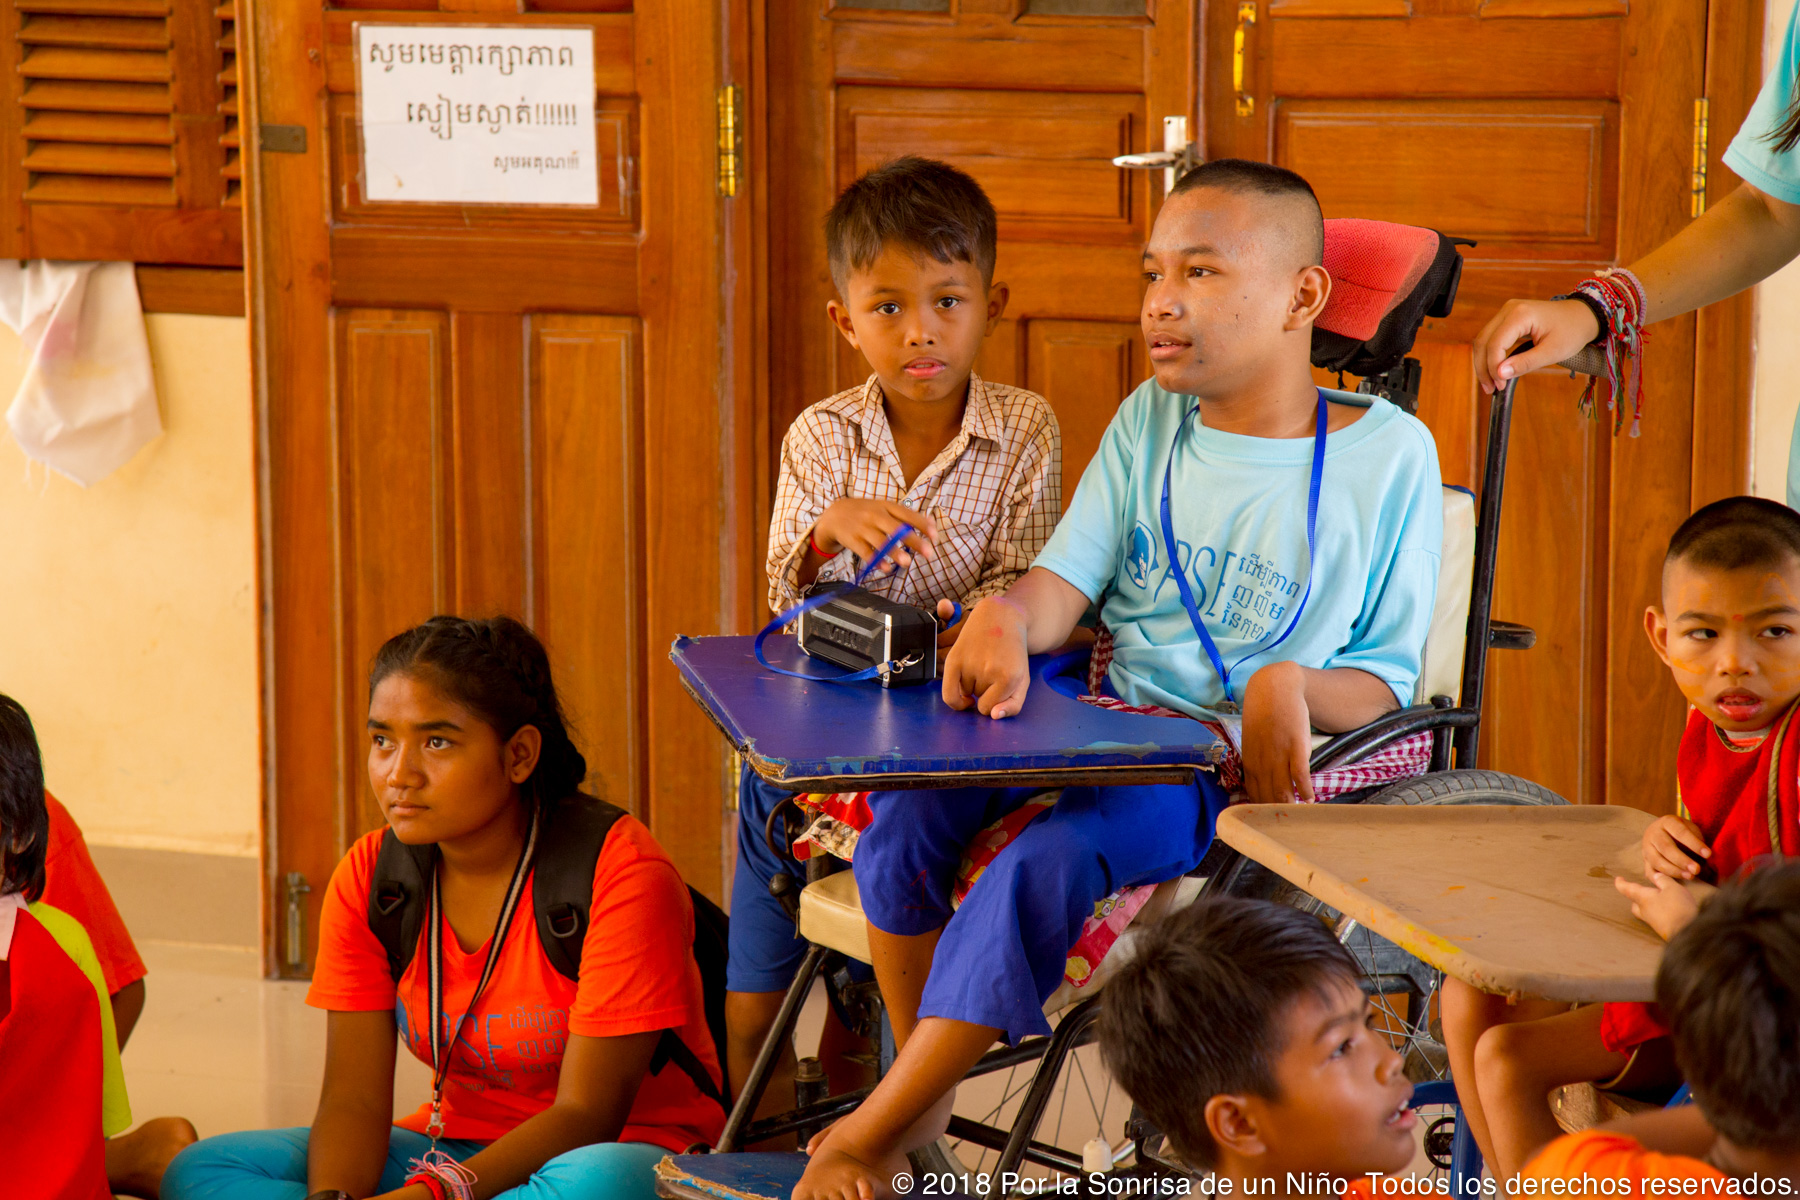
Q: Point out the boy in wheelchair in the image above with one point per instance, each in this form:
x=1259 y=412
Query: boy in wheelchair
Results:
x=1728 y=628
x=1255 y=543
x=1240 y=1030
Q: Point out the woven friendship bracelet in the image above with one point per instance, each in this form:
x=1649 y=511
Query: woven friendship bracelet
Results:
x=1617 y=296
x=446 y=1178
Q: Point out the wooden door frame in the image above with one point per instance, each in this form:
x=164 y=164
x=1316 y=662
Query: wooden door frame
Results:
x=1724 y=339
x=695 y=488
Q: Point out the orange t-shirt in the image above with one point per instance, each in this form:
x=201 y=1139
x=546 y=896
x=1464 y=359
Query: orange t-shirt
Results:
x=1599 y=1154
x=72 y=884
x=638 y=975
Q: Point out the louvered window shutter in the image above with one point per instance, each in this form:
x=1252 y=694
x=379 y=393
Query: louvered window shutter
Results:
x=126 y=137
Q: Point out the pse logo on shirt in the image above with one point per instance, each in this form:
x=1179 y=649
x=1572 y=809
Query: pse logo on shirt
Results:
x=1255 y=592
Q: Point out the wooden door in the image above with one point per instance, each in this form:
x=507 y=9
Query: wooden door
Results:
x=1558 y=133
x=1032 y=97
x=480 y=409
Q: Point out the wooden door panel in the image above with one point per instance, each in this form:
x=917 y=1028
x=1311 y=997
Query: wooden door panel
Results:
x=488 y=462
x=1046 y=168
x=1069 y=57
x=1544 y=707
x=1084 y=369
x=1526 y=178
x=1002 y=357
x=524 y=272
x=1442 y=56
x=586 y=416
x=395 y=531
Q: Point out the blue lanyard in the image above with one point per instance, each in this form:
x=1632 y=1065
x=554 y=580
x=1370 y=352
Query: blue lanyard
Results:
x=1181 y=579
x=811 y=602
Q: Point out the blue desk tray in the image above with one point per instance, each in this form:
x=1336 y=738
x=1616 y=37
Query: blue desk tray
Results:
x=807 y=736
x=729 y=1176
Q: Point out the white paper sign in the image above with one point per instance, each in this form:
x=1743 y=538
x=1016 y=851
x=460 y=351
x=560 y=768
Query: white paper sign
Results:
x=477 y=114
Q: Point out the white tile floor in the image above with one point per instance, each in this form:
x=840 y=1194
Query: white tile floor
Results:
x=228 y=1050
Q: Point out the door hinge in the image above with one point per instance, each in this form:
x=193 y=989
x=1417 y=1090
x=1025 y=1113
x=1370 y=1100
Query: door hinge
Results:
x=731 y=140
x=295 y=939
x=1697 y=204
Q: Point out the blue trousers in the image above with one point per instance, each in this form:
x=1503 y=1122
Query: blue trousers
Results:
x=765 y=944
x=270 y=1164
x=766 y=948
x=1004 y=950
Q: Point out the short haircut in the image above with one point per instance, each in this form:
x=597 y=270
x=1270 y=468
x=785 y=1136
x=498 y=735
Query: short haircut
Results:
x=927 y=206
x=1243 y=176
x=1196 y=1013
x=1731 y=535
x=1730 y=986
x=24 y=817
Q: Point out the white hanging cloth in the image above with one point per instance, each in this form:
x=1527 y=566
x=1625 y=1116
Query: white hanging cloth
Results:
x=87 y=402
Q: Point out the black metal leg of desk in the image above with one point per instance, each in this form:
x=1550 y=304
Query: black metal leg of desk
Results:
x=779 y=1036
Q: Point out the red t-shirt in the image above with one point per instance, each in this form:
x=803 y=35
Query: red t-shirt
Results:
x=72 y=884
x=638 y=975
x=1602 y=1155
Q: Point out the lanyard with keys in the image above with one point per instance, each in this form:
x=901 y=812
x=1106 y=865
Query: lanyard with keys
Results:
x=1181 y=579
x=434 y=952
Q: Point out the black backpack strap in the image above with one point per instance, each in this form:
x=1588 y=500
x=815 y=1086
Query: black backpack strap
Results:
x=562 y=895
x=562 y=885
x=671 y=1049
x=397 y=899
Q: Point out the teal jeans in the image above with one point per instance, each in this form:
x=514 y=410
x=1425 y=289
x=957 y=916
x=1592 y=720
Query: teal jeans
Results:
x=270 y=1164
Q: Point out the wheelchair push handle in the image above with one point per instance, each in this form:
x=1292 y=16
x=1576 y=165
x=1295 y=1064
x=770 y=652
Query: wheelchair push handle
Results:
x=1589 y=360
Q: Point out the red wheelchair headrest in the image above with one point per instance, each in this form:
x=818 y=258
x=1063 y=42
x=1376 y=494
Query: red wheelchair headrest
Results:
x=1385 y=280
x=1374 y=265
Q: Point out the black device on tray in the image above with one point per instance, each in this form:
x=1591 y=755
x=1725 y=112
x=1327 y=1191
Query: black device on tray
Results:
x=858 y=629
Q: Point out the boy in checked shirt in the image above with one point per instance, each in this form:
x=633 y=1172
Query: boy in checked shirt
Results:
x=974 y=467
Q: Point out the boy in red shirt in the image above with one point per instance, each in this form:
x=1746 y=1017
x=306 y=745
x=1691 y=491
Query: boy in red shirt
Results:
x=1729 y=630
x=1727 y=984
x=135 y=1161
x=61 y=1088
x=1241 y=1032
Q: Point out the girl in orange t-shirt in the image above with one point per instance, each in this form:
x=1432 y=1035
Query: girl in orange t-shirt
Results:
x=546 y=1088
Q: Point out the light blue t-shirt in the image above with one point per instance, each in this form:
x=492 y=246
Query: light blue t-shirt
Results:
x=1242 y=502
x=1756 y=160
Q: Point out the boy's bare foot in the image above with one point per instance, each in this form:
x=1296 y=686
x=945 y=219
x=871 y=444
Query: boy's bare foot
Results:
x=839 y=1174
x=135 y=1161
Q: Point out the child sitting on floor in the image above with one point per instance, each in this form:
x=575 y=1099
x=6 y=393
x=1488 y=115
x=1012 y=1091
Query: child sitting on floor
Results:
x=135 y=1161
x=545 y=1086
x=61 y=1087
x=974 y=467
x=1240 y=1031
x=1252 y=538
x=1727 y=984
x=1729 y=630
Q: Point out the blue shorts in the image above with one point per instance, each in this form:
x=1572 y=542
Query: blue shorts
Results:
x=766 y=948
x=1005 y=949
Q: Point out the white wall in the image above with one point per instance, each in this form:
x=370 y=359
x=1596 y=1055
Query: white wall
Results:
x=1777 y=338
x=128 y=610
